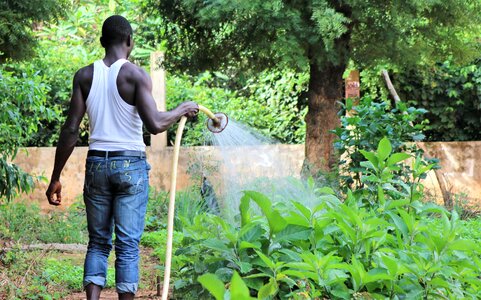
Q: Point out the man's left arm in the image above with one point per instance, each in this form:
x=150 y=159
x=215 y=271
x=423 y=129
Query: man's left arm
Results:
x=67 y=140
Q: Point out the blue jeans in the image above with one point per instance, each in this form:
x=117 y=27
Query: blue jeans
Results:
x=115 y=194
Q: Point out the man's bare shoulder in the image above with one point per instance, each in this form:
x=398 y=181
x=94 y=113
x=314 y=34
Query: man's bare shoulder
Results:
x=133 y=72
x=85 y=74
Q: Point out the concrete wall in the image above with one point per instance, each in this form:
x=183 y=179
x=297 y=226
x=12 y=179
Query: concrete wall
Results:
x=460 y=161
x=246 y=160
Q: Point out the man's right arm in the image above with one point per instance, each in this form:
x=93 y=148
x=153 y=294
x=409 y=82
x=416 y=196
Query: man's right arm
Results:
x=154 y=120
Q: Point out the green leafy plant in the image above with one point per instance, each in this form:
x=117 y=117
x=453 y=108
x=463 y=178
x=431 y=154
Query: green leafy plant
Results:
x=361 y=130
x=24 y=222
x=270 y=103
x=22 y=108
x=374 y=244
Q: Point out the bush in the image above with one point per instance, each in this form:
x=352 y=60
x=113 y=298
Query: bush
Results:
x=365 y=125
x=269 y=103
x=22 y=109
x=450 y=93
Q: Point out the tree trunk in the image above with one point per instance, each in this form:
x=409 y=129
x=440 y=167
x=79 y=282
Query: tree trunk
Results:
x=325 y=89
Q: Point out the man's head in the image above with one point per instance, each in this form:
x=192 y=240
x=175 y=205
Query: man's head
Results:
x=116 y=30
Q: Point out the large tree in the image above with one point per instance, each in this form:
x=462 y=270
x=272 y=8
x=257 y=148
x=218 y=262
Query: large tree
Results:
x=322 y=36
x=18 y=19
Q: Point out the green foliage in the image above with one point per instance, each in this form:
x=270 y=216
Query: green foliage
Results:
x=452 y=96
x=70 y=276
x=237 y=287
x=361 y=131
x=269 y=103
x=338 y=249
x=18 y=19
x=258 y=34
x=41 y=275
x=22 y=109
x=449 y=92
x=25 y=223
x=70 y=44
x=157 y=240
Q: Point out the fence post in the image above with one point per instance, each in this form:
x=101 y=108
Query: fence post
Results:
x=157 y=73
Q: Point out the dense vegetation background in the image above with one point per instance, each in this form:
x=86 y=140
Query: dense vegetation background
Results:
x=40 y=55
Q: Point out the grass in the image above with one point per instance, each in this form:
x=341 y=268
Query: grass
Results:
x=23 y=222
x=48 y=274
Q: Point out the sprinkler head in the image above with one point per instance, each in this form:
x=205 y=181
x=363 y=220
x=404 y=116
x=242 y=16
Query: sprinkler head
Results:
x=218 y=124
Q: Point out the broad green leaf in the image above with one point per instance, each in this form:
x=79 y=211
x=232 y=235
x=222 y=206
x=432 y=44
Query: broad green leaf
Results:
x=252 y=232
x=407 y=218
x=268 y=290
x=247 y=245
x=326 y=190
x=295 y=273
x=269 y=263
x=377 y=274
x=380 y=195
x=397 y=203
x=238 y=288
x=463 y=245
x=306 y=212
x=391 y=264
x=396 y=158
x=245 y=267
x=295 y=218
x=213 y=284
x=400 y=225
x=384 y=149
x=292 y=233
x=216 y=244
x=371 y=157
x=244 y=208
x=276 y=221
x=439 y=282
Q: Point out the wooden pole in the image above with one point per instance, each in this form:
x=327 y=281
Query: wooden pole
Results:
x=158 y=142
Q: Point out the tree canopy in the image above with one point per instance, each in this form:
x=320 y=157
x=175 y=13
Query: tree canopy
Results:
x=258 y=33
x=17 y=19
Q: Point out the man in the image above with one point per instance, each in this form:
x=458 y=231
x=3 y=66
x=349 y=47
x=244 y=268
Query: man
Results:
x=117 y=96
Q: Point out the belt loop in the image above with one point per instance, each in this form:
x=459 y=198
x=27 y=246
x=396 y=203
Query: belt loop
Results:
x=106 y=154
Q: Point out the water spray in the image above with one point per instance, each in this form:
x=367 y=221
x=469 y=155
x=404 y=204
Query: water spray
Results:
x=216 y=124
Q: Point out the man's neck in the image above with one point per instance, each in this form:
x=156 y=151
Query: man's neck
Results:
x=112 y=54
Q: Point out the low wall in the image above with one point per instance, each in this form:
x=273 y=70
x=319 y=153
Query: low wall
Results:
x=245 y=160
x=460 y=162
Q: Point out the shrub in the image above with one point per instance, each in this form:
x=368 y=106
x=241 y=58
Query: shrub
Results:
x=364 y=126
x=269 y=103
x=22 y=109
x=450 y=93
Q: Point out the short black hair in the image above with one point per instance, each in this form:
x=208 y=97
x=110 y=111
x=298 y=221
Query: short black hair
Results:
x=115 y=29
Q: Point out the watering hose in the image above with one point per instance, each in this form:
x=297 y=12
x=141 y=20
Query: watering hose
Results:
x=216 y=123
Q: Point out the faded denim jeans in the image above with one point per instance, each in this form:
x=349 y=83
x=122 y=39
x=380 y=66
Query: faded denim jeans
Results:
x=115 y=194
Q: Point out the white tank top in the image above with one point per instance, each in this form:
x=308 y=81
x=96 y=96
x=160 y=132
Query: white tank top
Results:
x=114 y=124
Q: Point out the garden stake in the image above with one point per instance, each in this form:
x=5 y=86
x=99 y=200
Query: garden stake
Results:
x=216 y=124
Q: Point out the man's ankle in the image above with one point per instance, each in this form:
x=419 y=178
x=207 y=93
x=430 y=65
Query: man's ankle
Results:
x=93 y=291
x=126 y=296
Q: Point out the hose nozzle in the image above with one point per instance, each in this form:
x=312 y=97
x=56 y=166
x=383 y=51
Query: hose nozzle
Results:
x=218 y=123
